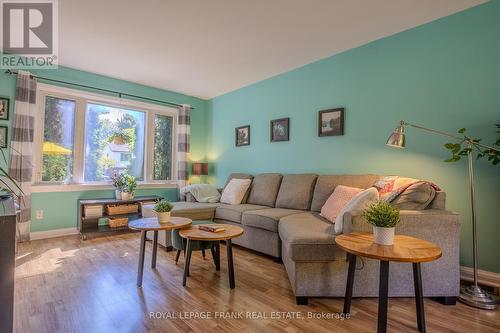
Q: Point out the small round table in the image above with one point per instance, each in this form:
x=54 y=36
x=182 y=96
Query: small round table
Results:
x=195 y=234
x=151 y=224
x=405 y=249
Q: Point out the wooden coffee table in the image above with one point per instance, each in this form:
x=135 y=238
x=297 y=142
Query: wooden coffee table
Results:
x=151 y=224
x=195 y=234
x=405 y=249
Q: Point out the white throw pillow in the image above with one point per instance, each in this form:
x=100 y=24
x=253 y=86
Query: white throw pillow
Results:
x=355 y=206
x=235 y=191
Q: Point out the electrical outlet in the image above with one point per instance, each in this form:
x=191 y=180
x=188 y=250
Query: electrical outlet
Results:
x=39 y=214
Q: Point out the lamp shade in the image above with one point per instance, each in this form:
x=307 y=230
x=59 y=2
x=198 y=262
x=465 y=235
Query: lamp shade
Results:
x=200 y=169
x=397 y=138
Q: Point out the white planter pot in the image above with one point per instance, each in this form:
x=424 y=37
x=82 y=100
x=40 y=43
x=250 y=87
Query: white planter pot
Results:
x=127 y=195
x=118 y=194
x=383 y=236
x=163 y=217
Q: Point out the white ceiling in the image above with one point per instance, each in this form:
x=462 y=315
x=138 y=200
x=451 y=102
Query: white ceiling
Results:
x=206 y=48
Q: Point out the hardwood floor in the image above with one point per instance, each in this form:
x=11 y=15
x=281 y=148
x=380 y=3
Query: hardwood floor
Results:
x=66 y=285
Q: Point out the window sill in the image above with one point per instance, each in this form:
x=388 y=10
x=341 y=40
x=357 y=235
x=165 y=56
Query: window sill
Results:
x=47 y=188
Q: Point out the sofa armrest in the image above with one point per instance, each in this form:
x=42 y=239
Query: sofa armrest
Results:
x=417 y=223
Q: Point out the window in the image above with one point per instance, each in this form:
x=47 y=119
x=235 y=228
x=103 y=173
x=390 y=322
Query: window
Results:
x=114 y=142
x=58 y=139
x=162 y=161
x=85 y=138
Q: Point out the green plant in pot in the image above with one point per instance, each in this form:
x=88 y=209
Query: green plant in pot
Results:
x=129 y=189
x=121 y=136
x=384 y=218
x=118 y=181
x=162 y=209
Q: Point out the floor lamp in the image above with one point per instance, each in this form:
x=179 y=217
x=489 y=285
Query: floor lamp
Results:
x=472 y=295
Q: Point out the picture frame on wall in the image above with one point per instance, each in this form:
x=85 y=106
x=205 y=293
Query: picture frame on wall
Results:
x=4 y=108
x=331 y=122
x=280 y=130
x=242 y=136
x=3 y=136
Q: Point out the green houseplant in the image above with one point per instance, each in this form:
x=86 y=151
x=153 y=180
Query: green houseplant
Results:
x=129 y=188
x=121 y=136
x=384 y=217
x=162 y=209
x=118 y=181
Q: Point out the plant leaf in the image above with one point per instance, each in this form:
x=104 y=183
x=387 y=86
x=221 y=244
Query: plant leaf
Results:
x=462 y=130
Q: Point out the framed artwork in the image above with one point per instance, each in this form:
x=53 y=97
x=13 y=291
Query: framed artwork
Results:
x=242 y=136
x=3 y=136
x=331 y=122
x=4 y=108
x=280 y=129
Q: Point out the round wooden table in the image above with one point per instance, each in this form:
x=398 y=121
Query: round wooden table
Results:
x=151 y=224
x=405 y=249
x=194 y=233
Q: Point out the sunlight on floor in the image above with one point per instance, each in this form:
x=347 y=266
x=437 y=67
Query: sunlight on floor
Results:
x=47 y=262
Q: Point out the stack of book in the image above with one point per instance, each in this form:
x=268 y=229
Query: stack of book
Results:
x=211 y=227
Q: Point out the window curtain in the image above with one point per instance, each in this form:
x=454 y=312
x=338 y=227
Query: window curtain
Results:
x=21 y=152
x=184 y=122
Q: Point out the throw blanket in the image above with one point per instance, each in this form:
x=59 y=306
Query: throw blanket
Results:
x=390 y=187
x=202 y=192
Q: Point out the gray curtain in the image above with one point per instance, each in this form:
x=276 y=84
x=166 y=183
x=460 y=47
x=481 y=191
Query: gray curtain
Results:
x=184 y=122
x=21 y=152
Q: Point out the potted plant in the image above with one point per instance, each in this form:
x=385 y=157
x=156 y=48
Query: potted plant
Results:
x=120 y=137
x=384 y=218
x=162 y=209
x=118 y=181
x=129 y=188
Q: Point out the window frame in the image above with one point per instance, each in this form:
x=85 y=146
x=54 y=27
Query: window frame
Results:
x=82 y=98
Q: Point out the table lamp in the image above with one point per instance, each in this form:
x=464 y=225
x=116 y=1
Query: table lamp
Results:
x=200 y=169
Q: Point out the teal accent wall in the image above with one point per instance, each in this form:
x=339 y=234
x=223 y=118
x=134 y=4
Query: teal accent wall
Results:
x=445 y=75
x=60 y=209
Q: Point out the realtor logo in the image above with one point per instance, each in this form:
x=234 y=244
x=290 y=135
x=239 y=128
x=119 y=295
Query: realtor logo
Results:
x=29 y=34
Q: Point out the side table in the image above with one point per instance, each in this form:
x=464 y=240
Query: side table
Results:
x=151 y=224
x=405 y=249
x=195 y=234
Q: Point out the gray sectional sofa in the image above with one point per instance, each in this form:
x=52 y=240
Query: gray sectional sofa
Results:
x=280 y=216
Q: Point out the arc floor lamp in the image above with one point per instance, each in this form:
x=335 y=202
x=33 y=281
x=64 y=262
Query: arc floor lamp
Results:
x=472 y=295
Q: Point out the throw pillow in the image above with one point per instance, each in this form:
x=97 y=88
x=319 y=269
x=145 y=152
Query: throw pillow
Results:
x=355 y=206
x=416 y=197
x=235 y=191
x=337 y=200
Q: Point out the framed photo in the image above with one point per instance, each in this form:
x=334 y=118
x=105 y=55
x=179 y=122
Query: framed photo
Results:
x=4 y=108
x=242 y=136
x=280 y=129
x=331 y=122
x=3 y=136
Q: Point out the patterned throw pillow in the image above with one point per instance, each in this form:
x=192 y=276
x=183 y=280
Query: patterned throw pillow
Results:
x=337 y=200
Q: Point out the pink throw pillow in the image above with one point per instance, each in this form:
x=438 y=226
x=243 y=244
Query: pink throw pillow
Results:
x=339 y=198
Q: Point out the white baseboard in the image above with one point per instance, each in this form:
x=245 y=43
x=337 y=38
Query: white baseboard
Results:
x=53 y=233
x=485 y=278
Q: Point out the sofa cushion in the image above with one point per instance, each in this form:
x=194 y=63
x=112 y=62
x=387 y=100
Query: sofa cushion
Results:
x=309 y=237
x=416 y=197
x=235 y=191
x=266 y=218
x=325 y=185
x=194 y=210
x=296 y=191
x=265 y=189
x=238 y=175
x=233 y=212
x=338 y=200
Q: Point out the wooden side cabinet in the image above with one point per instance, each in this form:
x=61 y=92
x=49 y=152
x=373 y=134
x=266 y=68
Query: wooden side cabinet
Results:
x=7 y=263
